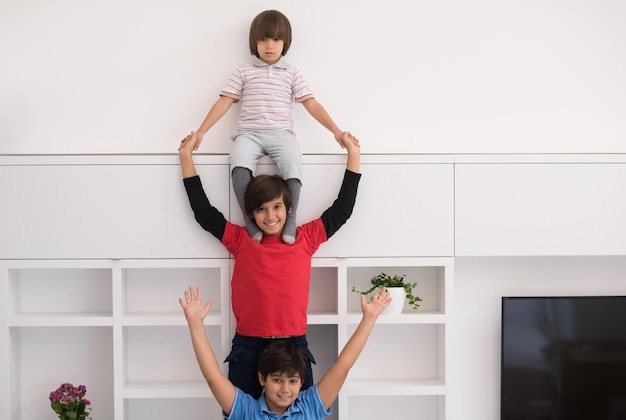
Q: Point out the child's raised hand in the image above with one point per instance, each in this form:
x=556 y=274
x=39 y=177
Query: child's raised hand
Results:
x=379 y=302
x=352 y=144
x=192 y=305
x=348 y=137
x=343 y=137
x=189 y=143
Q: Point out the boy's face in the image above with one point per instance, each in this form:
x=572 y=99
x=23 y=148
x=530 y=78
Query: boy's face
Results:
x=271 y=216
x=281 y=390
x=270 y=50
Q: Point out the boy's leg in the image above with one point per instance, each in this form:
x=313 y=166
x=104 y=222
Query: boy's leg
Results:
x=283 y=148
x=243 y=364
x=241 y=178
x=301 y=343
x=244 y=157
x=289 y=231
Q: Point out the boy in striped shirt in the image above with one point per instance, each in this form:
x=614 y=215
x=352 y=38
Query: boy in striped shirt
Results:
x=266 y=88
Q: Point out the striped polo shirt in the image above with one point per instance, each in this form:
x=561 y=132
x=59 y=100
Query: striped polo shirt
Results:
x=267 y=94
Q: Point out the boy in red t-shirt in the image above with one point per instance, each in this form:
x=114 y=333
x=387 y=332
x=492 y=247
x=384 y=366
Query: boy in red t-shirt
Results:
x=270 y=283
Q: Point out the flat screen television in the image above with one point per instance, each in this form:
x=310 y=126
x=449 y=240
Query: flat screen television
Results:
x=563 y=358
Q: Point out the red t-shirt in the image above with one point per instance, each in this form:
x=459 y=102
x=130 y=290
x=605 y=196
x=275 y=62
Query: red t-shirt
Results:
x=270 y=283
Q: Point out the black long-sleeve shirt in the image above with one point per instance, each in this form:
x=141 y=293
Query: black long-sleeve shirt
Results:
x=213 y=221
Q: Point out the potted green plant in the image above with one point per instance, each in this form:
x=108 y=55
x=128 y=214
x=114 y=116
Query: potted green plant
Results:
x=398 y=288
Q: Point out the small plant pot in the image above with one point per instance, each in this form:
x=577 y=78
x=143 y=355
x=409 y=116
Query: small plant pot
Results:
x=398 y=296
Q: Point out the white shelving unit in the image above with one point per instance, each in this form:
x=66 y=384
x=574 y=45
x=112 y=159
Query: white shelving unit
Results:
x=116 y=326
x=406 y=358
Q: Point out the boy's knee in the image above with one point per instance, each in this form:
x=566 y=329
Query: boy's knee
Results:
x=241 y=171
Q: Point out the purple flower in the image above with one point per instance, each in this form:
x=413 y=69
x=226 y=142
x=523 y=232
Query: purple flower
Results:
x=68 y=402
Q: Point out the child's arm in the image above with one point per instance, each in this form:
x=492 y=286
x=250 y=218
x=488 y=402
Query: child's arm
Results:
x=338 y=214
x=331 y=383
x=217 y=111
x=210 y=218
x=223 y=390
x=185 y=150
x=353 y=163
x=319 y=113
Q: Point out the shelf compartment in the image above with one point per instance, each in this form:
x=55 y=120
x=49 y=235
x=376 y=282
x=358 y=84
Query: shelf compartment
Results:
x=405 y=318
x=168 y=409
x=397 y=387
x=322 y=295
x=416 y=357
x=177 y=318
x=322 y=318
x=163 y=354
x=431 y=288
x=168 y=389
x=157 y=290
x=61 y=320
x=91 y=297
x=322 y=341
x=79 y=355
x=396 y=407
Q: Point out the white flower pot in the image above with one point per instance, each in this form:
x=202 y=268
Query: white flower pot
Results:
x=398 y=295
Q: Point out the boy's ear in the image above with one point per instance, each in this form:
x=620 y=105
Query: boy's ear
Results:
x=261 y=379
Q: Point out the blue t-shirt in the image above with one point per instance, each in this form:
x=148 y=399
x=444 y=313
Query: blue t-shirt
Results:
x=308 y=406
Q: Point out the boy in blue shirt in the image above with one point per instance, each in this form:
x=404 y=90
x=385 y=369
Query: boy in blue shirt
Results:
x=281 y=368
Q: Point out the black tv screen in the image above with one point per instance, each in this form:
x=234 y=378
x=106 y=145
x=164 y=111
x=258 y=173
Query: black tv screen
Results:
x=563 y=358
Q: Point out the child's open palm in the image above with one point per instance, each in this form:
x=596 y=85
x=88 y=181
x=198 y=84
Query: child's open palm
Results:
x=192 y=305
x=379 y=302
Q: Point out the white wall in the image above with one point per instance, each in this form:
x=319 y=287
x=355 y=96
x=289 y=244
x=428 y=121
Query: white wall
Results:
x=113 y=76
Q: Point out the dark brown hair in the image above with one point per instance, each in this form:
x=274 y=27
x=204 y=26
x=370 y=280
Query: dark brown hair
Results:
x=270 y=24
x=282 y=357
x=264 y=188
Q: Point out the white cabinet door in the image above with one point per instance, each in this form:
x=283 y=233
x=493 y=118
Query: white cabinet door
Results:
x=540 y=209
x=401 y=209
x=105 y=211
